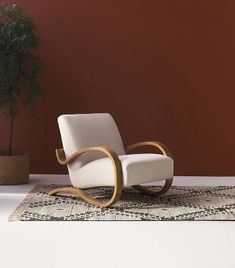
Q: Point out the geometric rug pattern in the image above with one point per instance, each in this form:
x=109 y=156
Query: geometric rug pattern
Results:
x=186 y=203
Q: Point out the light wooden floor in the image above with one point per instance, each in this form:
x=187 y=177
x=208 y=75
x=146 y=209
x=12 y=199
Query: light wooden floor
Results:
x=115 y=244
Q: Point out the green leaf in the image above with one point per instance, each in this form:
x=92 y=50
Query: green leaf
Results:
x=20 y=68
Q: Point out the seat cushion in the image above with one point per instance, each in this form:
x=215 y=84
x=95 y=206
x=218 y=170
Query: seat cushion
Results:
x=136 y=168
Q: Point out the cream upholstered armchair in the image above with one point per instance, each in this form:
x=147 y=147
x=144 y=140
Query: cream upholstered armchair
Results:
x=95 y=156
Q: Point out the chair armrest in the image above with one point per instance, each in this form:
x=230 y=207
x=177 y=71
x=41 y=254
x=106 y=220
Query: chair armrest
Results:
x=60 y=154
x=157 y=144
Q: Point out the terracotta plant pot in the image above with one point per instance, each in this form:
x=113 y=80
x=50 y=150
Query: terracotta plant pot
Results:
x=14 y=169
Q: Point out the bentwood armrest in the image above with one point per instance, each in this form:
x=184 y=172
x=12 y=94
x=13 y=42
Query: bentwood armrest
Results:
x=60 y=154
x=165 y=151
x=157 y=144
x=118 y=181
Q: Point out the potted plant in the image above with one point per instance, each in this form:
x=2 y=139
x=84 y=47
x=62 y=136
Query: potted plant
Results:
x=19 y=84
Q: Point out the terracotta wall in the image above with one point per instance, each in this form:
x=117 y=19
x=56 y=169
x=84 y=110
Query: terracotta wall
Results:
x=164 y=69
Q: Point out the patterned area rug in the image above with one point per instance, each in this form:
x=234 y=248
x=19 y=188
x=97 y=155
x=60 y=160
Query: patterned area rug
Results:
x=178 y=204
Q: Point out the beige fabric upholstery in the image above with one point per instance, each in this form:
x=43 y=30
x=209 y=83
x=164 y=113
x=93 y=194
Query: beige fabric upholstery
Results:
x=93 y=169
x=137 y=169
x=87 y=130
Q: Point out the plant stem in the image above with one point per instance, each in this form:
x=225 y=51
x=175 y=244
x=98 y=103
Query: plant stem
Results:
x=11 y=130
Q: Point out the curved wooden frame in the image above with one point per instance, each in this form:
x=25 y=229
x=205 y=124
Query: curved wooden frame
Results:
x=164 y=151
x=118 y=182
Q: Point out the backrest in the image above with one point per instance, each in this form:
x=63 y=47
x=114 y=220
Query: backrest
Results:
x=86 y=130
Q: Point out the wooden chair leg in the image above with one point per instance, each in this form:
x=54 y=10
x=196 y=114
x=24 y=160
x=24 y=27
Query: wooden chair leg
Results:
x=86 y=197
x=164 y=189
x=118 y=180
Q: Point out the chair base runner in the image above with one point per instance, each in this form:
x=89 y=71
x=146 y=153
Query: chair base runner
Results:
x=145 y=190
x=93 y=201
x=83 y=195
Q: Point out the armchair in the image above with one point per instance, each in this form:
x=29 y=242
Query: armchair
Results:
x=94 y=154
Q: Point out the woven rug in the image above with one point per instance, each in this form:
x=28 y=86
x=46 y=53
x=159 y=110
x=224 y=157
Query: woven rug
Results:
x=178 y=204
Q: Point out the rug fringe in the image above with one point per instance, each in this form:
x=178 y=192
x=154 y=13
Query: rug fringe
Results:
x=23 y=205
